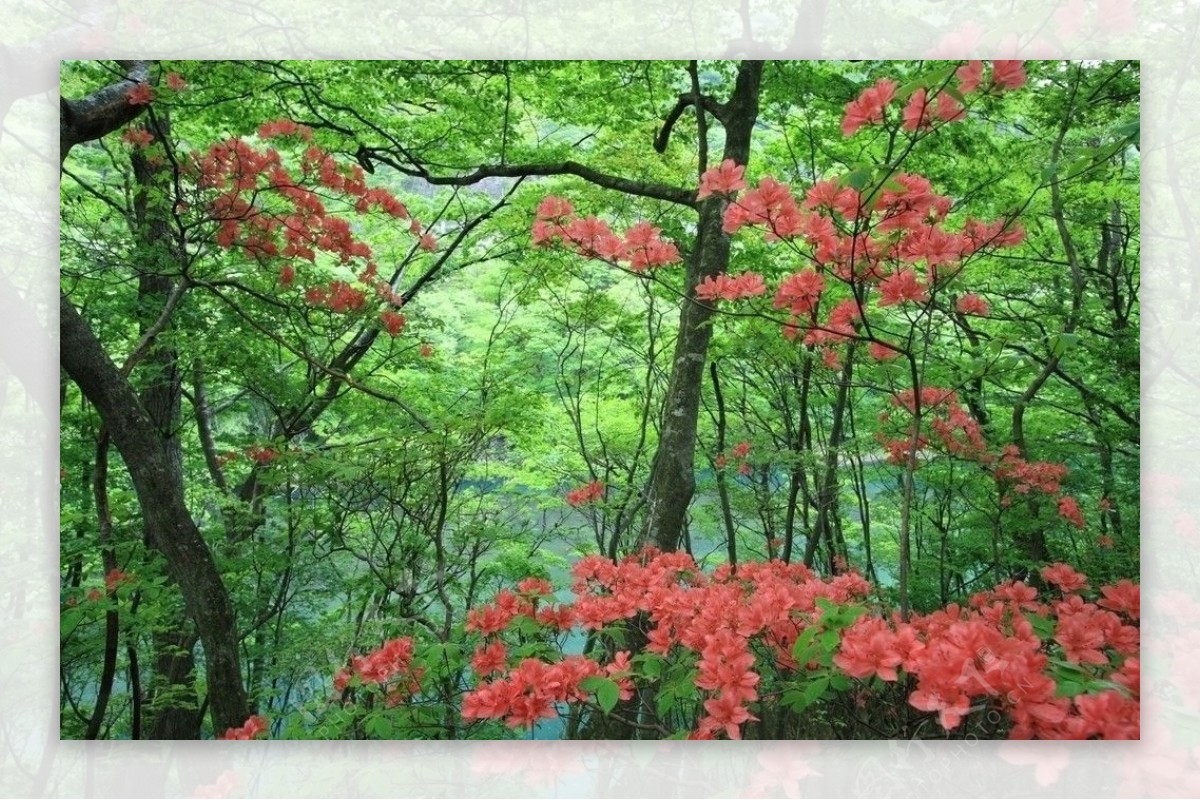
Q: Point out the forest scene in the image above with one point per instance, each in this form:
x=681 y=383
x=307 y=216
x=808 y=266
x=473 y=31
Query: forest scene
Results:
x=600 y=400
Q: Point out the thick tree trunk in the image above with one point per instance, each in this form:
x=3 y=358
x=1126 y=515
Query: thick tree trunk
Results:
x=161 y=259
x=189 y=561
x=672 y=480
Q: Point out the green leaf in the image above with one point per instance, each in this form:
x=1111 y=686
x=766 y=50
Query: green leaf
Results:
x=651 y=664
x=1043 y=627
x=379 y=726
x=1131 y=130
x=804 y=642
x=858 y=179
x=606 y=690
x=799 y=699
x=1061 y=342
x=816 y=689
x=664 y=701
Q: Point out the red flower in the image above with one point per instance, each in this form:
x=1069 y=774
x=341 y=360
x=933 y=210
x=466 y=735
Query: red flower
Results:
x=725 y=712
x=254 y=728
x=868 y=106
x=969 y=76
x=490 y=658
x=137 y=137
x=175 y=82
x=882 y=351
x=114 y=578
x=725 y=179
x=261 y=455
x=899 y=287
x=1008 y=74
x=972 y=304
x=586 y=493
x=1064 y=577
x=393 y=323
x=553 y=208
x=140 y=95
x=951 y=705
x=1125 y=598
x=724 y=287
x=1068 y=509
x=800 y=292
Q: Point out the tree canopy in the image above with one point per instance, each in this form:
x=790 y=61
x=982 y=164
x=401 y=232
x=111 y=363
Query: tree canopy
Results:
x=396 y=392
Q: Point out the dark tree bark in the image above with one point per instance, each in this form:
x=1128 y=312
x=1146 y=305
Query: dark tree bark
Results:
x=672 y=480
x=189 y=561
x=101 y=112
x=162 y=261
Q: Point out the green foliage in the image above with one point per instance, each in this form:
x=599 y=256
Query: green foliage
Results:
x=353 y=486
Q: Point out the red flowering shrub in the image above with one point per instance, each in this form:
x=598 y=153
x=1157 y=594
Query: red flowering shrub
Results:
x=276 y=211
x=254 y=728
x=587 y=493
x=717 y=650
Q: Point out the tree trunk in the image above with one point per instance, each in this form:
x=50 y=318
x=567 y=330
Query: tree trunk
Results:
x=189 y=561
x=672 y=479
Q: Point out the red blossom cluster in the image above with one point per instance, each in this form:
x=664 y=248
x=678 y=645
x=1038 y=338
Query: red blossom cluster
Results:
x=261 y=455
x=137 y=137
x=725 y=287
x=254 y=728
x=640 y=249
x=891 y=238
x=740 y=453
x=712 y=617
x=970 y=303
x=899 y=230
x=868 y=107
x=923 y=109
x=739 y=629
x=727 y=179
x=925 y=106
x=270 y=212
x=116 y=577
x=530 y=691
x=582 y=495
x=955 y=432
x=893 y=229
x=391 y=664
x=141 y=94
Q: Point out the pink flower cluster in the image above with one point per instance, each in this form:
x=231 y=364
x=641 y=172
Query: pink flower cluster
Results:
x=587 y=493
x=727 y=287
x=254 y=728
x=925 y=106
x=640 y=249
x=739 y=453
x=388 y=666
x=270 y=214
x=739 y=630
x=957 y=433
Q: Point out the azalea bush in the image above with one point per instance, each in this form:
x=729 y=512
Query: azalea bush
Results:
x=769 y=650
